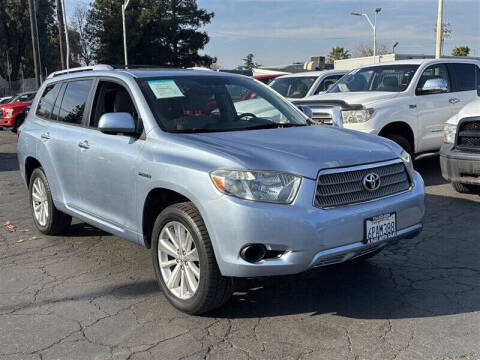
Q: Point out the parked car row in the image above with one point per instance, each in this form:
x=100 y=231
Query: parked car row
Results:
x=13 y=110
x=217 y=173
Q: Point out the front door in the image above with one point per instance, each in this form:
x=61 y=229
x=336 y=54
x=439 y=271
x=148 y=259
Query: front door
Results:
x=108 y=163
x=433 y=110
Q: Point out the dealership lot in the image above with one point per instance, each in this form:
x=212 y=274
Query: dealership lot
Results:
x=93 y=295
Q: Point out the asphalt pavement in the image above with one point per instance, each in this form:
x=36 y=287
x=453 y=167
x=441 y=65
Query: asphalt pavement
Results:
x=91 y=295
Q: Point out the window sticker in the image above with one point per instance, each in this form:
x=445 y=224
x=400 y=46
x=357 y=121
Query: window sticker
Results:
x=164 y=89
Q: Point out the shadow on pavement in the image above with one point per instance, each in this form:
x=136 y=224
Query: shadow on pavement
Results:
x=432 y=275
x=8 y=162
x=429 y=168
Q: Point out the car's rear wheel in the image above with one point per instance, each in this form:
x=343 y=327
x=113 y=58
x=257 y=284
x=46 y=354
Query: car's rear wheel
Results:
x=185 y=263
x=46 y=217
x=466 y=188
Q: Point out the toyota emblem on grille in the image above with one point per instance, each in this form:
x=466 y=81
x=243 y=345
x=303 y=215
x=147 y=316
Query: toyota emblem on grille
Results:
x=371 y=181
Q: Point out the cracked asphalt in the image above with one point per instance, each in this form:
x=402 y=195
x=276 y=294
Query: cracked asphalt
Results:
x=91 y=295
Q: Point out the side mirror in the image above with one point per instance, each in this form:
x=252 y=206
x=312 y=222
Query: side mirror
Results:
x=306 y=110
x=114 y=123
x=434 y=86
x=27 y=109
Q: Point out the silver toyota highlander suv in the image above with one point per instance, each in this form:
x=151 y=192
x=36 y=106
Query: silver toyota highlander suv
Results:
x=166 y=159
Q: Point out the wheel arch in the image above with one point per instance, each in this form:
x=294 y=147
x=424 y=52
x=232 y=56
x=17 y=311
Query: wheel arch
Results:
x=31 y=164
x=399 y=128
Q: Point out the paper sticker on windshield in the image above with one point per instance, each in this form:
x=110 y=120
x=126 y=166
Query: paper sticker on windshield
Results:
x=164 y=89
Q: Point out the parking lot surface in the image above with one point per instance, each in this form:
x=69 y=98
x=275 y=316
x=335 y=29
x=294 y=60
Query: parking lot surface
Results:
x=91 y=295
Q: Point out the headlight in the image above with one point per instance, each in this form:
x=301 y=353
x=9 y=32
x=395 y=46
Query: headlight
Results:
x=356 y=116
x=8 y=112
x=407 y=160
x=266 y=186
x=449 y=132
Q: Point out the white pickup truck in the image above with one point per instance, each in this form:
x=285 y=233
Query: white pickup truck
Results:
x=407 y=101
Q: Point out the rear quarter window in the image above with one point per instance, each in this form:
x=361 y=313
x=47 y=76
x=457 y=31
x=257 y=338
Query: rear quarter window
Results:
x=45 y=105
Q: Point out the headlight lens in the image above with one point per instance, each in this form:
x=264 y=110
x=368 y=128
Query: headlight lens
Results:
x=356 y=116
x=449 y=132
x=8 y=112
x=407 y=160
x=265 y=186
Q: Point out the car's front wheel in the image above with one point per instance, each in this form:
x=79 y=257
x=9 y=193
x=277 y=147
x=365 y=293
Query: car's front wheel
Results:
x=466 y=188
x=46 y=217
x=185 y=263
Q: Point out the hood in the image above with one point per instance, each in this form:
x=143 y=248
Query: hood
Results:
x=301 y=150
x=15 y=105
x=355 y=98
x=469 y=110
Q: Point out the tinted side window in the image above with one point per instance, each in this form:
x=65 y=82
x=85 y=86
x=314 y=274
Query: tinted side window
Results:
x=45 y=106
x=465 y=75
x=434 y=72
x=74 y=101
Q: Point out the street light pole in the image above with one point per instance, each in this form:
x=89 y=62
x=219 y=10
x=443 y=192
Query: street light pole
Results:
x=67 y=42
x=373 y=26
x=438 y=42
x=124 y=7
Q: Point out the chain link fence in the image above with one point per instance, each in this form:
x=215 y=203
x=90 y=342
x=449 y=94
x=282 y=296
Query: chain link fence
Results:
x=15 y=87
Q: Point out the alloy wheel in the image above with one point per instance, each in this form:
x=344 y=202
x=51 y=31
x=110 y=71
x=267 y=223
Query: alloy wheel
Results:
x=40 y=202
x=178 y=260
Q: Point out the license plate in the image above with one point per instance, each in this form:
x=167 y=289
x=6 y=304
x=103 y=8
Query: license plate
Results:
x=381 y=227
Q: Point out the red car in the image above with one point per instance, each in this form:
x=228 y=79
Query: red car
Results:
x=13 y=113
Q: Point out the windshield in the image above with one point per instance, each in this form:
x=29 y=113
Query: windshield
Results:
x=293 y=87
x=23 y=97
x=214 y=103
x=392 y=78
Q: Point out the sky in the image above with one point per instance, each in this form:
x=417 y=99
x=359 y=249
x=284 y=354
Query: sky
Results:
x=284 y=31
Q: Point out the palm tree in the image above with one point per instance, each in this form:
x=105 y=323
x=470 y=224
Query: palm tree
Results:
x=338 y=53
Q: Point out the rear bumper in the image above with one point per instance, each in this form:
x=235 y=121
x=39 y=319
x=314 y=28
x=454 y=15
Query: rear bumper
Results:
x=458 y=166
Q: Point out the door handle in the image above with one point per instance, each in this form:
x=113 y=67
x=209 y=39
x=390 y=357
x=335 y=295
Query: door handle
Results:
x=454 y=100
x=412 y=106
x=45 y=136
x=84 y=144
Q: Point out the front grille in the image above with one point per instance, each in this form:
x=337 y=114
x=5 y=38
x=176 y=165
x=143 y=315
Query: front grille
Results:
x=345 y=186
x=469 y=135
x=322 y=118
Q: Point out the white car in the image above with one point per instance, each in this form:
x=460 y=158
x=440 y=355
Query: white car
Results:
x=301 y=85
x=407 y=101
x=460 y=153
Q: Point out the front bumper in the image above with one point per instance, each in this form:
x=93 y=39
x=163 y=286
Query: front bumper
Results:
x=460 y=166
x=310 y=236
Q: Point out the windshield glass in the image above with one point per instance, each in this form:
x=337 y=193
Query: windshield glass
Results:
x=392 y=78
x=214 y=103
x=293 y=87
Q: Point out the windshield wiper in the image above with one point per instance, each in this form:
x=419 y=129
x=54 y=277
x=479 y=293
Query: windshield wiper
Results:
x=272 y=126
x=254 y=127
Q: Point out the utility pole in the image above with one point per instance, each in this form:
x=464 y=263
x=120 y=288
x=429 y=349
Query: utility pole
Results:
x=125 y=54
x=33 y=30
x=65 y=25
x=373 y=26
x=438 y=43
x=60 y=32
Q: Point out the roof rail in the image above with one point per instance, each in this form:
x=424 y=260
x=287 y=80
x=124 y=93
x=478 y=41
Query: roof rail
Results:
x=79 y=69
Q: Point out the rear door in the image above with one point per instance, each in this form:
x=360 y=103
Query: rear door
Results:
x=465 y=89
x=61 y=113
x=433 y=110
x=108 y=163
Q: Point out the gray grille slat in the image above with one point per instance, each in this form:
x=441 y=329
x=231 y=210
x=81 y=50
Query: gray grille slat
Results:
x=346 y=187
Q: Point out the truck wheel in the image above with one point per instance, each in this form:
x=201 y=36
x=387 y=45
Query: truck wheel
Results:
x=466 y=188
x=46 y=217
x=403 y=142
x=16 y=124
x=184 y=261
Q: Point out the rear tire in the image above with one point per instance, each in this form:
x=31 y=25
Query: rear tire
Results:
x=211 y=289
x=46 y=217
x=403 y=142
x=466 y=188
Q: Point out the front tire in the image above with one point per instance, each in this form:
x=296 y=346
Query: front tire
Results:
x=46 y=217
x=403 y=142
x=184 y=261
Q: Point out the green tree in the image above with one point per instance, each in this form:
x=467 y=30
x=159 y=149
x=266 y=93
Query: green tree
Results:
x=15 y=38
x=338 y=53
x=159 y=32
x=462 y=50
x=249 y=63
